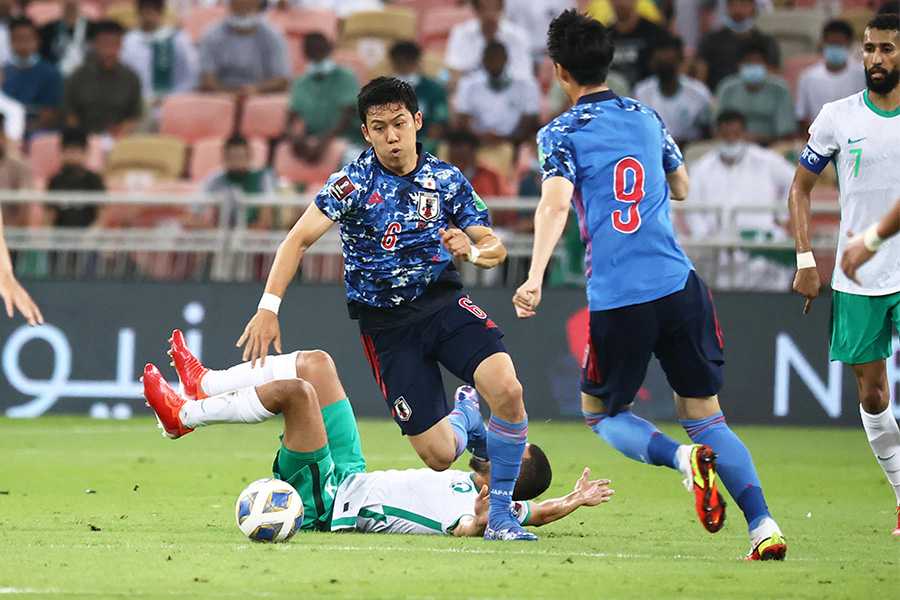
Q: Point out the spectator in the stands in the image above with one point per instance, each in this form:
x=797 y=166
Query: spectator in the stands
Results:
x=237 y=178
x=839 y=75
x=634 y=39
x=322 y=105
x=103 y=95
x=495 y=104
x=13 y=113
x=683 y=103
x=163 y=57
x=66 y=42
x=31 y=80
x=740 y=173
x=533 y=17
x=74 y=176
x=15 y=175
x=764 y=99
x=720 y=50
x=406 y=63
x=467 y=41
x=243 y=54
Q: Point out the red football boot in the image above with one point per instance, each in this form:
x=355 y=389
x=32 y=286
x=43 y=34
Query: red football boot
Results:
x=709 y=503
x=189 y=369
x=165 y=402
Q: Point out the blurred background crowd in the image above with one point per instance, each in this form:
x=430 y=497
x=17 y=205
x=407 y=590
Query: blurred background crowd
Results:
x=243 y=97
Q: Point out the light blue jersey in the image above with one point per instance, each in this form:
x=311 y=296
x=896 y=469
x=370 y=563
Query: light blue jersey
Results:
x=617 y=153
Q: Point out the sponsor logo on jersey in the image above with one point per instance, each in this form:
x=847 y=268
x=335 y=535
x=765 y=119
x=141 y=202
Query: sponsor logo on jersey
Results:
x=402 y=409
x=462 y=487
x=375 y=199
x=341 y=188
x=849 y=141
x=428 y=205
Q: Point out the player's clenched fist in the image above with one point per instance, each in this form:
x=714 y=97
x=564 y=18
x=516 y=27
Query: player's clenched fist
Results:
x=807 y=283
x=457 y=243
x=527 y=298
x=262 y=330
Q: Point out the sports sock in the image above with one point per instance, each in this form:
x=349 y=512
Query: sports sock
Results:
x=635 y=438
x=884 y=438
x=279 y=366
x=465 y=418
x=505 y=445
x=239 y=406
x=734 y=465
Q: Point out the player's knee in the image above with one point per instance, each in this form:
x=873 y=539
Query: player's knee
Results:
x=293 y=393
x=874 y=396
x=506 y=398
x=314 y=362
x=439 y=461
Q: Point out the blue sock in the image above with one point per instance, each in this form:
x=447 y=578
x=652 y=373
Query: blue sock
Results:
x=634 y=437
x=734 y=465
x=506 y=443
x=464 y=419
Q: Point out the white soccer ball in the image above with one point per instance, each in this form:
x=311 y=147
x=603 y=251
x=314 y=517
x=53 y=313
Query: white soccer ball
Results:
x=269 y=510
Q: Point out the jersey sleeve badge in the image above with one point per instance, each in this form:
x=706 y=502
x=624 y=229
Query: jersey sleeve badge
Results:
x=341 y=188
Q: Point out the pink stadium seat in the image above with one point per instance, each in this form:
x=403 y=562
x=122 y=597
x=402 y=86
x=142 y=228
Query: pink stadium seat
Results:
x=264 y=116
x=298 y=22
x=43 y=12
x=351 y=59
x=192 y=117
x=206 y=157
x=435 y=25
x=295 y=55
x=796 y=64
x=200 y=19
x=45 y=155
x=313 y=175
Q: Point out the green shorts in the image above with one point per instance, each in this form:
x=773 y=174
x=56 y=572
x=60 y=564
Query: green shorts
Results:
x=861 y=326
x=317 y=475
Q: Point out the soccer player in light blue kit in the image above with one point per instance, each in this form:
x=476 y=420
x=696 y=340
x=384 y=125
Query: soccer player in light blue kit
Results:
x=615 y=160
x=395 y=205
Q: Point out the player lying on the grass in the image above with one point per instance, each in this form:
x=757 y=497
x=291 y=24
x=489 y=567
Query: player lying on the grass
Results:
x=321 y=456
x=862 y=247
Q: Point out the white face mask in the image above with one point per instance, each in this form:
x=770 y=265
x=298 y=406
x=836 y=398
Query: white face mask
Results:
x=323 y=67
x=732 y=151
x=245 y=23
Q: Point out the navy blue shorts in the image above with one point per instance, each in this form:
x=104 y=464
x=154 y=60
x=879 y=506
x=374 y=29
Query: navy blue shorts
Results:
x=405 y=360
x=681 y=329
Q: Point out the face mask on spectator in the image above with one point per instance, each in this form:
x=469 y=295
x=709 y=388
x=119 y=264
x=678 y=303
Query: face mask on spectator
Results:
x=753 y=73
x=24 y=63
x=835 y=55
x=413 y=79
x=244 y=23
x=731 y=151
x=739 y=27
x=323 y=67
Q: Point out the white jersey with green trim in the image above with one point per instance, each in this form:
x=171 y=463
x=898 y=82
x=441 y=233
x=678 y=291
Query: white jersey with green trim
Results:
x=864 y=144
x=418 y=501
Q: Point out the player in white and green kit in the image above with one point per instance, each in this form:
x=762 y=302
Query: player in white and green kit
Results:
x=321 y=455
x=860 y=134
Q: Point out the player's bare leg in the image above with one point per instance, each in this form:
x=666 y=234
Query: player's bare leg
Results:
x=879 y=423
x=703 y=420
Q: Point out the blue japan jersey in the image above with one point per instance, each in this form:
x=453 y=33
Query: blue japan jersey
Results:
x=617 y=153
x=389 y=225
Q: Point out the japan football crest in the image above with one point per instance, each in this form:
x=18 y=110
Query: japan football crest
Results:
x=401 y=409
x=428 y=205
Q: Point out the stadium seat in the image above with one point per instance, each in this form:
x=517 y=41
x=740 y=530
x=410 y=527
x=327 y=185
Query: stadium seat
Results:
x=206 y=157
x=436 y=23
x=793 y=66
x=192 y=117
x=797 y=31
x=295 y=55
x=858 y=17
x=432 y=64
x=695 y=150
x=125 y=14
x=298 y=22
x=264 y=116
x=498 y=156
x=389 y=24
x=313 y=175
x=200 y=19
x=43 y=12
x=353 y=61
x=161 y=156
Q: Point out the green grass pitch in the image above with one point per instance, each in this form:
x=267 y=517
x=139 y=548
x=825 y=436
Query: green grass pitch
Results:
x=159 y=522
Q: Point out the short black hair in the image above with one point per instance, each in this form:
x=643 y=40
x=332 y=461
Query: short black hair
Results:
x=461 y=137
x=731 y=116
x=885 y=22
x=888 y=7
x=73 y=136
x=315 y=37
x=406 y=49
x=107 y=26
x=839 y=26
x=236 y=139
x=582 y=46
x=754 y=46
x=535 y=474
x=159 y=5
x=18 y=22
x=386 y=91
x=670 y=42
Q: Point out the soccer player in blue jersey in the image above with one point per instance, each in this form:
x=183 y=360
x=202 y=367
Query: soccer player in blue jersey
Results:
x=395 y=205
x=615 y=160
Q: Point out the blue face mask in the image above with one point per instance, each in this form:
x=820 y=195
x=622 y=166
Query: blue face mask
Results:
x=24 y=63
x=753 y=73
x=835 y=55
x=740 y=27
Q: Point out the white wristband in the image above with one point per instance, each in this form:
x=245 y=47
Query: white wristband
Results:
x=270 y=302
x=871 y=238
x=474 y=253
x=805 y=260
